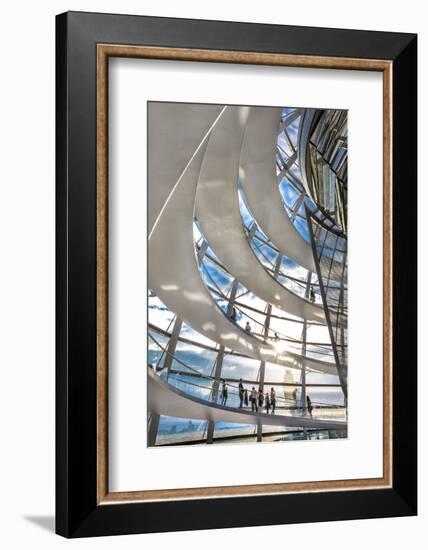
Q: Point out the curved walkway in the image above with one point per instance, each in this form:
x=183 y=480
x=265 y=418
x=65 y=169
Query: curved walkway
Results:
x=164 y=399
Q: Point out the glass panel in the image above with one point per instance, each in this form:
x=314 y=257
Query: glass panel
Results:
x=189 y=356
x=173 y=431
x=159 y=315
x=228 y=430
x=235 y=366
x=190 y=334
x=276 y=373
x=157 y=344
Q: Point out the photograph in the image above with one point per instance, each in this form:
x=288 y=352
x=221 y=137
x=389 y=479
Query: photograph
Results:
x=247 y=258
x=208 y=338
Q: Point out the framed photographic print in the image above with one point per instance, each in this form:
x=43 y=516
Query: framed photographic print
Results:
x=236 y=324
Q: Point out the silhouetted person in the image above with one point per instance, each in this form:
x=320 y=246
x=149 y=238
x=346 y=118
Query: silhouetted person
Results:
x=248 y=328
x=224 y=393
x=276 y=337
x=272 y=400
x=246 y=397
x=241 y=393
x=309 y=403
x=261 y=397
x=253 y=398
x=233 y=314
x=312 y=295
x=267 y=403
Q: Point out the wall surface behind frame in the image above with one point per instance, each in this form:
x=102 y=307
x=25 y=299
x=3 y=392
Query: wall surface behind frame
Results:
x=27 y=272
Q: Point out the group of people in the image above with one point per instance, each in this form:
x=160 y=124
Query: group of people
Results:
x=258 y=399
x=255 y=397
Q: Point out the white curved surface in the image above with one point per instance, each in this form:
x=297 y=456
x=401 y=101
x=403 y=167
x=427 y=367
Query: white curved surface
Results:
x=165 y=399
x=174 y=276
x=175 y=130
x=217 y=211
x=174 y=273
x=260 y=185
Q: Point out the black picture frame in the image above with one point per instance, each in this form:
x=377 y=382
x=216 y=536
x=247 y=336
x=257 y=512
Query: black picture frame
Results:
x=77 y=511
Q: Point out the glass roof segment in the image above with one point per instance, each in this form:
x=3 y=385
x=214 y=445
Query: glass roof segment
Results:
x=326 y=166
